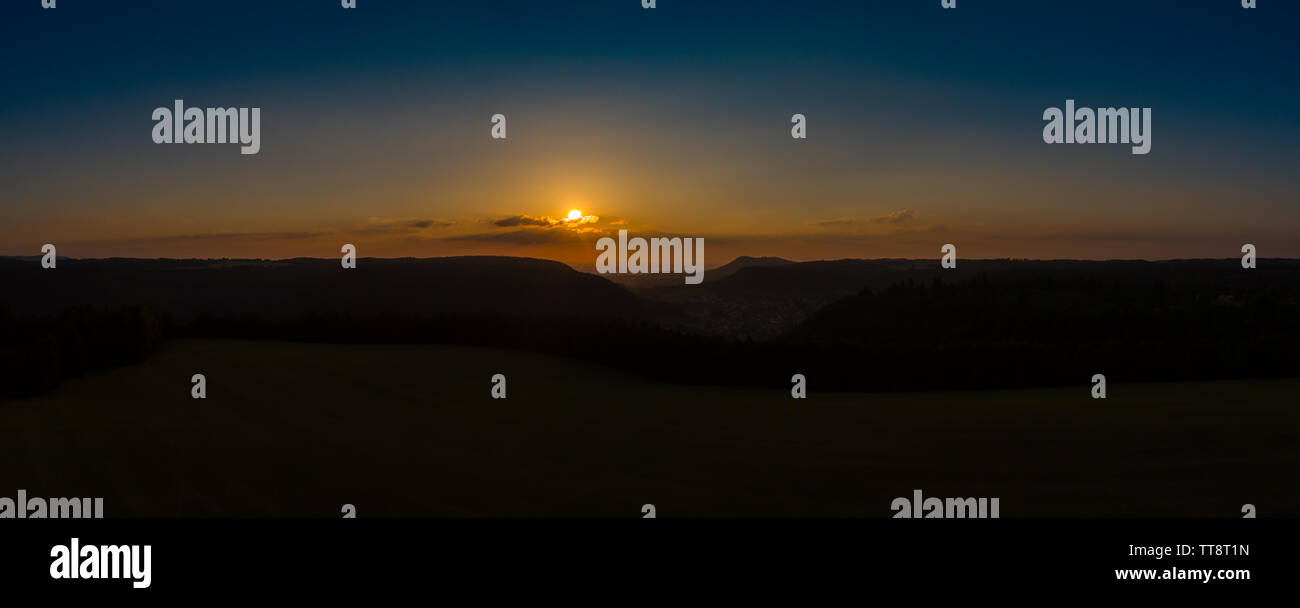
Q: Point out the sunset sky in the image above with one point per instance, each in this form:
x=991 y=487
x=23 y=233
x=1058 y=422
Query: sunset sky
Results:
x=924 y=128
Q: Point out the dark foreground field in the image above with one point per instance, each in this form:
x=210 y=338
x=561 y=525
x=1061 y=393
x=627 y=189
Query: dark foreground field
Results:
x=301 y=429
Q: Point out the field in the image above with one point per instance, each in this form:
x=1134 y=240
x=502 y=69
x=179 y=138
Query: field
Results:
x=301 y=429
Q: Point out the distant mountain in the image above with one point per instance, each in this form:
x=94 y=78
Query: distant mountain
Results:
x=756 y=298
x=761 y=298
x=744 y=261
x=853 y=324
x=820 y=280
x=717 y=273
x=762 y=301
x=1058 y=322
x=478 y=285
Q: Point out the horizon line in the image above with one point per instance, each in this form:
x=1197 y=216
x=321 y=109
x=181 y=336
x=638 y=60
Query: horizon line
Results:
x=735 y=259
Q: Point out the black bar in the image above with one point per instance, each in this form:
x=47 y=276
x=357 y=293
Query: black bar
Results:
x=478 y=558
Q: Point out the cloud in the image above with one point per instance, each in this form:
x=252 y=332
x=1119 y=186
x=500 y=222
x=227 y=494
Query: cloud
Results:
x=896 y=217
x=523 y=220
x=901 y=216
x=516 y=221
x=841 y=221
x=400 y=226
x=527 y=236
x=261 y=236
x=429 y=223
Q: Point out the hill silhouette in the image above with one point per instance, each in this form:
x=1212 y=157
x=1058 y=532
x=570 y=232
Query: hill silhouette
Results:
x=743 y=262
x=762 y=298
x=855 y=325
x=714 y=274
x=287 y=289
x=1034 y=324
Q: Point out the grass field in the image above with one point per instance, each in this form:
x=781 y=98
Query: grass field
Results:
x=301 y=429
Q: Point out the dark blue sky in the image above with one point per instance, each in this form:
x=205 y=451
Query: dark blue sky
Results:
x=911 y=107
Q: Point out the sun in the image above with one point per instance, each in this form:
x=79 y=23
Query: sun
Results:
x=574 y=214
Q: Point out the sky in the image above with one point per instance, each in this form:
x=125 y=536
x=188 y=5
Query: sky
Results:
x=924 y=127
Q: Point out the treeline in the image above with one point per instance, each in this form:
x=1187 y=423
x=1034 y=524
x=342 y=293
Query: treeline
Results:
x=992 y=331
x=1047 y=330
x=37 y=353
x=987 y=332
